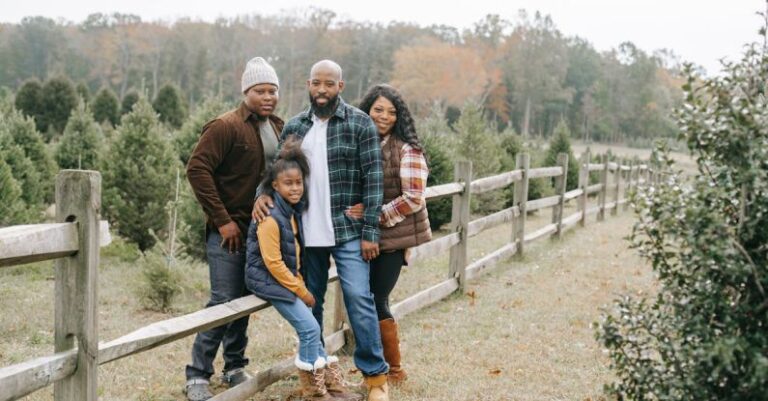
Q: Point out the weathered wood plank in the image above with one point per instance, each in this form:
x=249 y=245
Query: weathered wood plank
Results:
x=434 y=247
x=542 y=232
x=542 y=172
x=610 y=205
x=560 y=184
x=479 y=266
x=492 y=220
x=593 y=210
x=24 y=378
x=594 y=188
x=439 y=191
x=612 y=166
x=543 y=203
x=425 y=298
x=460 y=222
x=584 y=186
x=78 y=199
x=486 y=184
x=169 y=330
x=571 y=221
x=520 y=199
x=573 y=194
x=36 y=242
x=595 y=166
x=275 y=373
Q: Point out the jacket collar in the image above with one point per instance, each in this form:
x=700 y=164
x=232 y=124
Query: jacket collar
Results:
x=244 y=114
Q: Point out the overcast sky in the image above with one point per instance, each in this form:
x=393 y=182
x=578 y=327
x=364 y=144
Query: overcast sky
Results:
x=701 y=31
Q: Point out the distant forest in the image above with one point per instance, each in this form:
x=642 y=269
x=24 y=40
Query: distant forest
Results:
x=525 y=73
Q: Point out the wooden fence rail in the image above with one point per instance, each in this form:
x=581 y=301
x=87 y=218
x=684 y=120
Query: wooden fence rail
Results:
x=76 y=237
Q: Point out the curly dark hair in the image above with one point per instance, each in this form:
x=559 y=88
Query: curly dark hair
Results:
x=291 y=156
x=405 y=128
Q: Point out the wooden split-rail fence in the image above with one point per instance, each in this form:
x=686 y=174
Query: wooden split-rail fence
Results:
x=75 y=239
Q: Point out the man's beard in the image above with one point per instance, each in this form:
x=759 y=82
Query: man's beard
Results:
x=327 y=110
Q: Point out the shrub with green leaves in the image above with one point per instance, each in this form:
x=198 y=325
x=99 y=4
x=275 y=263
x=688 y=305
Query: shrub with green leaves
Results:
x=703 y=335
x=160 y=283
x=139 y=175
x=186 y=137
x=12 y=208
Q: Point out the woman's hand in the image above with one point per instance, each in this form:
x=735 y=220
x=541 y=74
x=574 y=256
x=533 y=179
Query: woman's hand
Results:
x=355 y=211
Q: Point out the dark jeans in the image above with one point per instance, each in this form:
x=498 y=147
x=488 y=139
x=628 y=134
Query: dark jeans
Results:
x=227 y=275
x=354 y=275
x=385 y=270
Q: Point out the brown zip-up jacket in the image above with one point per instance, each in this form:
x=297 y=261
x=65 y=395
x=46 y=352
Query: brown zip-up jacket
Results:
x=227 y=165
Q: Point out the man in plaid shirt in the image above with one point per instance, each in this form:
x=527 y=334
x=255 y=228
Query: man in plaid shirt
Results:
x=342 y=146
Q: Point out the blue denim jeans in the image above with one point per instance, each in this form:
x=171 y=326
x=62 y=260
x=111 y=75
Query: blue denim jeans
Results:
x=310 y=336
x=227 y=275
x=354 y=273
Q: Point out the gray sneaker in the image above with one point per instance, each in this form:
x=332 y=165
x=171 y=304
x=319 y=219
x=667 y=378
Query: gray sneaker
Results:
x=235 y=377
x=197 y=390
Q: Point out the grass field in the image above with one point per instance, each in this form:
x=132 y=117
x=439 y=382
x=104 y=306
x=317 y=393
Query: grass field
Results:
x=523 y=333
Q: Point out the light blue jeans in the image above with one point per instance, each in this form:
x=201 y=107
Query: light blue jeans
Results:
x=354 y=275
x=310 y=336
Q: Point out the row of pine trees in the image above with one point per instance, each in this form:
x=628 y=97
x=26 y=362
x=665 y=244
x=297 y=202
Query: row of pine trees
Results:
x=141 y=148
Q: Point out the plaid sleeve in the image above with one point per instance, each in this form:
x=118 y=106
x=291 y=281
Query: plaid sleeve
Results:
x=413 y=181
x=372 y=179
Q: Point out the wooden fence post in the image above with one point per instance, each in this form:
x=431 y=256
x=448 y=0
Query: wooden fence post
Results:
x=628 y=186
x=522 y=162
x=460 y=222
x=561 y=182
x=78 y=199
x=340 y=319
x=603 y=190
x=583 y=184
x=617 y=182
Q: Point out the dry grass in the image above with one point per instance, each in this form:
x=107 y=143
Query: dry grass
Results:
x=524 y=334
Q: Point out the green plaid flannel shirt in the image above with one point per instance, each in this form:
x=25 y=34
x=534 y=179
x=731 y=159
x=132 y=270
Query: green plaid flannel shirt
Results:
x=354 y=169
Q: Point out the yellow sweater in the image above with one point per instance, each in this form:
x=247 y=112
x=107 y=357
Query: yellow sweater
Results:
x=269 y=244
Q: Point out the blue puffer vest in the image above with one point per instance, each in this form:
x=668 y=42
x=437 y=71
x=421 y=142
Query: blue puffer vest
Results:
x=258 y=279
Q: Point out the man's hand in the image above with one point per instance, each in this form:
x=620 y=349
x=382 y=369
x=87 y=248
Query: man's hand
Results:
x=261 y=208
x=355 y=211
x=232 y=238
x=370 y=250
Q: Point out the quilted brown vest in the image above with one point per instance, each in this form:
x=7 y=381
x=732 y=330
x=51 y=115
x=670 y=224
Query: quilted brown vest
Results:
x=414 y=230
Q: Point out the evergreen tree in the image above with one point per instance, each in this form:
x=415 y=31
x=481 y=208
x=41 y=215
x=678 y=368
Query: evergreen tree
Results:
x=129 y=100
x=106 y=107
x=82 y=142
x=22 y=133
x=29 y=100
x=11 y=205
x=478 y=144
x=22 y=169
x=170 y=106
x=83 y=92
x=139 y=173
x=59 y=99
x=187 y=136
x=434 y=133
x=561 y=143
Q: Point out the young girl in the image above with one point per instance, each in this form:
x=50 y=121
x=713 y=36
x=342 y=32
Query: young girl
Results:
x=273 y=264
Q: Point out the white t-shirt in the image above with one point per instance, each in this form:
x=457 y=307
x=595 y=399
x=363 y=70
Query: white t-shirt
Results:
x=318 y=225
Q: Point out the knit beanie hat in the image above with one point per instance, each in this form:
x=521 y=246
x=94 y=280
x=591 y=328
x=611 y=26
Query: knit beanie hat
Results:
x=258 y=71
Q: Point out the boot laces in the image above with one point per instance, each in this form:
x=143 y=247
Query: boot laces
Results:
x=336 y=375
